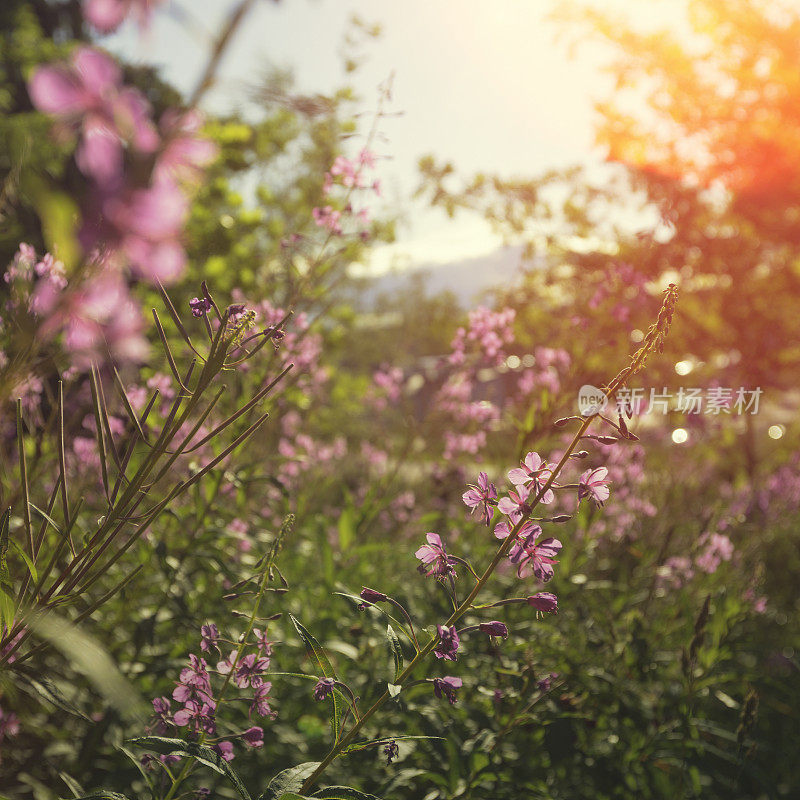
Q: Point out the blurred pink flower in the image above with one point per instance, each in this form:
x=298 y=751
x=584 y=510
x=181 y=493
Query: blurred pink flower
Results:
x=87 y=95
x=184 y=152
x=107 y=15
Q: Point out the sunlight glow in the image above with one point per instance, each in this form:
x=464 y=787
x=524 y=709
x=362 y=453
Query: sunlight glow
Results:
x=680 y=435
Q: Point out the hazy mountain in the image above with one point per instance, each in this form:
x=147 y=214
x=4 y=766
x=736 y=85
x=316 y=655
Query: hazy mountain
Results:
x=468 y=278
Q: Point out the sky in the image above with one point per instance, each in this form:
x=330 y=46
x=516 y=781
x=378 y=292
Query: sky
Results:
x=489 y=86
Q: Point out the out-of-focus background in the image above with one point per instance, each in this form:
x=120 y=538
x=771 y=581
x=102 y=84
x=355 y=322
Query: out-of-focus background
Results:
x=472 y=211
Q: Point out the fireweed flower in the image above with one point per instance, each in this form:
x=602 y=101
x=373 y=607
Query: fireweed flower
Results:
x=224 y=750
x=503 y=529
x=248 y=670
x=264 y=645
x=209 y=635
x=161 y=707
x=533 y=468
x=446 y=687
x=515 y=506
x=184 y=152
x=435 y=557
x=323 y=687
x=448 y=643
x=199 y=306
x=482 y=496
x=254 y=737
x=494 y=628
x=87 y=95
x=535 y=558
x=594 y=485
x=544 y=601
x=194 y=684
x=260 y=704
x=200 y=716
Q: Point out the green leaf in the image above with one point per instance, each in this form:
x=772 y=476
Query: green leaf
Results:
x=288 y=781
x=8 y=606
x=201 y=753
x=102 y=794
x=347 y=527
x=27 y=559
x=317 y=652
x=89 y=657
x=5 y=576
x=48 y=691
x=394 y=689
x=73 y=785
x=342 y=793
x=397 y=652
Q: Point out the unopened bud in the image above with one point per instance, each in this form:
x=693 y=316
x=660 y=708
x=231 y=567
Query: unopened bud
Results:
x=372 y=596
x=494 y=628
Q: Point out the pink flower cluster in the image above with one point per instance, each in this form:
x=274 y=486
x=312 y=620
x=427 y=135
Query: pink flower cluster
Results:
x=389 y=380
x=300 y=345
x=194 y=691
x=489 y=330
x=96 y=317
x=631 y=506
x=349 y=175
x=529 y=553
x=547 y=373
x=138 y=222
x=716 y=548
x=34 y=285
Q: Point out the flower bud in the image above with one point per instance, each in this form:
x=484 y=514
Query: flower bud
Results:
x=494 y=628
x=372 y=596
x=544 y=601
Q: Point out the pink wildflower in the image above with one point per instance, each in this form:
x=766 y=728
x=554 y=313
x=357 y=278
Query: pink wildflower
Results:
x=594 y=485
x=482 y=496
x=534 y=469
x=435 y=557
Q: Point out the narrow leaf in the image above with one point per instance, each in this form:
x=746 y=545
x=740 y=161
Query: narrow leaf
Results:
x=170 y=360
x=317 y=652
x=397 y=652
x=99 y=435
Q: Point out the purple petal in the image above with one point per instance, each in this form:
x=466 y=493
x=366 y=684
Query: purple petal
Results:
x=518 y=476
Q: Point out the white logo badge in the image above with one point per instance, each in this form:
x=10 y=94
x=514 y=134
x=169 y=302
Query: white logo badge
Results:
x=591 y=400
